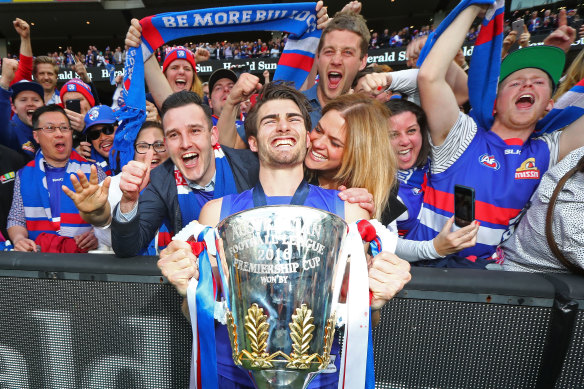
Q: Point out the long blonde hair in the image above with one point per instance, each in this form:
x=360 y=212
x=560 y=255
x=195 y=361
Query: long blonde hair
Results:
x=573 y=76
x=368 y=159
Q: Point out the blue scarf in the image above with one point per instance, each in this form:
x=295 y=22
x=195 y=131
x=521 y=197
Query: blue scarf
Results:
x=189 y=200
x=485 y=65
x=298 y=19
x=36 y=199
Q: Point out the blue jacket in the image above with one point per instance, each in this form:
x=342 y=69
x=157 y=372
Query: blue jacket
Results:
x=13 y=132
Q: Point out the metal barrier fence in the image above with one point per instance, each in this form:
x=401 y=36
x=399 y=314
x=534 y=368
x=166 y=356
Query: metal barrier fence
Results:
x=96 y=321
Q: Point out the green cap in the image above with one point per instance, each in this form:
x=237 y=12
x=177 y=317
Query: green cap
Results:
x=550 y=59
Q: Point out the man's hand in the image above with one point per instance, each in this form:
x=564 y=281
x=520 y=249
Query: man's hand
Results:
x=135 y=177
x=22 y=28
x=524 y=37
x=450 y=242
x=246 y=85
x=77 y=120
x=80 y=69
x=352 y=6
x=359 y=196
x=89 y=197
x=563 y=36
x=9 y=67
x=26 y=245
x=372 y=83
x=202 y=55
x=387 y=276
x=134 y=34
x=152 y=112
x=84 y=149
x=322 y=18
x=86 y=241
x=178 y=264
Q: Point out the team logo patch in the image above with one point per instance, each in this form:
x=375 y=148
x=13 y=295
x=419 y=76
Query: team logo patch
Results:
x=94 y=113
x=181 y=54
x=527 y=170
x=71 y=88
x=489 y=161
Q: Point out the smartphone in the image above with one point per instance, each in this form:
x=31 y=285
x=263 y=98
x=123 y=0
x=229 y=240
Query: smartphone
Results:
x=517 y=26
x=464 y=205
x=73 y=105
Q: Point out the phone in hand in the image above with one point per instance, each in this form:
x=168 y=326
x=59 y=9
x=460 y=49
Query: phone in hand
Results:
x=73 y=105
x=517 y=26
x=464 y=205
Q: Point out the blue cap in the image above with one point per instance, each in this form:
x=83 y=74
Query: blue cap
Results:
x=25 y=85
x=100 y=114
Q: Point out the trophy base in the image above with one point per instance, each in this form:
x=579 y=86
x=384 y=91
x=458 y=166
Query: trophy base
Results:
x=276 y=379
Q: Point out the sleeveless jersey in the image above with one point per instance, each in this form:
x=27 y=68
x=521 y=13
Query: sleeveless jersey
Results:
x=412 y=184
x=325 y=199
x=504 y=175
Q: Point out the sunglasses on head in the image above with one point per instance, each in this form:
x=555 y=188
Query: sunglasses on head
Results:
x=94 y=134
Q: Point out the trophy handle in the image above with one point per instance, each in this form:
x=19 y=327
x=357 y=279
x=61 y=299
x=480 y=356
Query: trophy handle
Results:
x=340 y=275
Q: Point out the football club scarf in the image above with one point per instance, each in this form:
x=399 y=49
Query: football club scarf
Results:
x=298 y=19
x=36 y=199
x=190 y=206
x=485 y=65
x=568 y=108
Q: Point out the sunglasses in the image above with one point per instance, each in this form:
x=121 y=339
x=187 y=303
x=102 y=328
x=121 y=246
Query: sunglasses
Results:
x=95 y=134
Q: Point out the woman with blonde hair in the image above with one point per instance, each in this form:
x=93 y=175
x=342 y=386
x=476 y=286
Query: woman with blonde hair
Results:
x=350 y=146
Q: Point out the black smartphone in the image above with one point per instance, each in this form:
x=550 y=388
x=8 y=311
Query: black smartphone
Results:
x=464 y=205
x=73 y=105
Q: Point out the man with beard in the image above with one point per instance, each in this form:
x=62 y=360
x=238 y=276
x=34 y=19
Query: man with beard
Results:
x=277 y=128
x=100 y=128
x=45 y=70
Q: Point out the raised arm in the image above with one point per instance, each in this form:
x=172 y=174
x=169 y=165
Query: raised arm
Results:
x=157 y=84
x=437 y=98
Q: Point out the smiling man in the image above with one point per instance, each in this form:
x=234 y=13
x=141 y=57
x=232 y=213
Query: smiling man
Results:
x=198 y=170
x=342 y=52
x=100 y=129
x=45 y=71
x=504 y=164
x=22 y=99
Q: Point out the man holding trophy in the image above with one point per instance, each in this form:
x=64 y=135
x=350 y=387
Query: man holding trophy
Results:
x=277 y=129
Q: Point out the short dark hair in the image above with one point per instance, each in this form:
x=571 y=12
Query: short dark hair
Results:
x=277 y=91
x=398 y=106
x=149 y=124
x=44 y=109
x=348 y=21
x=182 y=98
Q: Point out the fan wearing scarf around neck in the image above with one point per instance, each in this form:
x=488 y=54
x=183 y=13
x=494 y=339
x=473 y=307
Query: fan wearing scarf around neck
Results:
x=40 y=214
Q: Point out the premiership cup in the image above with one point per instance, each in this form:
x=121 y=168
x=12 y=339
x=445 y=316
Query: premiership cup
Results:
x=283 y=273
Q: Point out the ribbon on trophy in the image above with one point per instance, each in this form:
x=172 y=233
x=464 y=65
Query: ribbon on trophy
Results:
x=298 y=19
x=355 y=371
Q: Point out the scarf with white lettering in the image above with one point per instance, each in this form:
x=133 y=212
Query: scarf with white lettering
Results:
x=36 y=199
x=298 y=19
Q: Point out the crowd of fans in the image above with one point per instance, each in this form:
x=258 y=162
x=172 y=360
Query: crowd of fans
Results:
x=39 y=130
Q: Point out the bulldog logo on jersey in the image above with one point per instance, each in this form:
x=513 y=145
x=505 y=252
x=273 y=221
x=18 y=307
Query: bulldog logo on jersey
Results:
x=527 y=170
x=489 y=161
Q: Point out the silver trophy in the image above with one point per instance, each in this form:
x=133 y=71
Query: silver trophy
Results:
x=283 y=273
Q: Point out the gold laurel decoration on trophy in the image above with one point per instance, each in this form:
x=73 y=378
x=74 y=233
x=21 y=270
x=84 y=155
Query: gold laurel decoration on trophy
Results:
x=329 y=334
x=256 y=327
x=232 y=331
x=301 y=329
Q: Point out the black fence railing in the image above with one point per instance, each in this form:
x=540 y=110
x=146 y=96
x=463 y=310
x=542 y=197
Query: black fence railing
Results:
x=97 y=321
